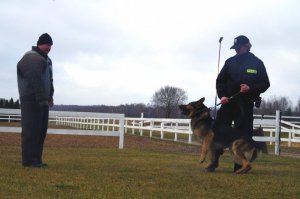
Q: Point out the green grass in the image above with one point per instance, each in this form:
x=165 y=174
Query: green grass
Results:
x=113 y=173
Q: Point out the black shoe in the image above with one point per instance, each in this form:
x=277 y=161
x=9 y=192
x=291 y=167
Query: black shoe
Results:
x=236 y=167
x=33 y=165
x=212 y=167
x=44 y=165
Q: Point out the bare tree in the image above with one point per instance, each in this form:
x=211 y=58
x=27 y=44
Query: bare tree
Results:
x=283 y=103
x=169 y=98
x=276 y=103
x=297 y=108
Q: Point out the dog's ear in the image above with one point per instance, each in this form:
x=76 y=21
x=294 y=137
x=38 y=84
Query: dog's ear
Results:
x=200 y=101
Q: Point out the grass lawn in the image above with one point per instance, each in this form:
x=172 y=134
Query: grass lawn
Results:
x=77 y=172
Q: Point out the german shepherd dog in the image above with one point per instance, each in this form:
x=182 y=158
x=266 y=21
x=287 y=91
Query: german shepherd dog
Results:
x=243 y=150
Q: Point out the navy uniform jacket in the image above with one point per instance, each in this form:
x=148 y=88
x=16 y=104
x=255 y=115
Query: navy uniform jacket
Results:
x=242 y=69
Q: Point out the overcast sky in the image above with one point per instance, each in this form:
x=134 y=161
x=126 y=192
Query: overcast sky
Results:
x=121 y=51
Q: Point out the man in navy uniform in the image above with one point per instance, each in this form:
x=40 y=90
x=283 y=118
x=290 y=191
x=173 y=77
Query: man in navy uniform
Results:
x=245 y=75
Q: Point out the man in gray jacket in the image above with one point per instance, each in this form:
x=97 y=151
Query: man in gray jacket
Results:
x=35 y=83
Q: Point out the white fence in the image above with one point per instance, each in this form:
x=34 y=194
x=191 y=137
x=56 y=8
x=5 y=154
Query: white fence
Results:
x=84 y=123
x=287 y=130
x=162 y=126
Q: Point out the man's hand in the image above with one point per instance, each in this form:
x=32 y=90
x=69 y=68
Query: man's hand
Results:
x=224 y=100
x=50 y=102
x=244 y=88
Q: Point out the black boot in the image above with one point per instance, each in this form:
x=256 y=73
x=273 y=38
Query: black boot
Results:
x=212 y=167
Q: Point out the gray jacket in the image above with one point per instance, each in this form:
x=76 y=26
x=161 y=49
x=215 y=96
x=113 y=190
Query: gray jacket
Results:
x=35 y=79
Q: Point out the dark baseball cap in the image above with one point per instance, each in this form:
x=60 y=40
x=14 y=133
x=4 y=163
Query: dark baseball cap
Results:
x=240 y=41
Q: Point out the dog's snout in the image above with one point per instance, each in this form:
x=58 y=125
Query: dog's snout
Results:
x=184 y=109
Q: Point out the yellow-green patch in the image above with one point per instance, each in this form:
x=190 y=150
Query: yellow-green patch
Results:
x=252 y=71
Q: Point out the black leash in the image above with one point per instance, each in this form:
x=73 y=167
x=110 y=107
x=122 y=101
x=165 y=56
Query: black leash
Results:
x=230 y=98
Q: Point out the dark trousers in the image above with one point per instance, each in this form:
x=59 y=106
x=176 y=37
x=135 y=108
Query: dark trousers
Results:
x=240 y=112
x=34 y=130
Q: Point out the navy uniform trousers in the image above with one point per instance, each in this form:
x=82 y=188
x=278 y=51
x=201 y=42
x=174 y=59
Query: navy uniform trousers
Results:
x=240 y=112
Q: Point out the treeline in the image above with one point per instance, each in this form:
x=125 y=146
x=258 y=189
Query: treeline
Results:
x=130 y=110
x=4 y=103
x=269 y=106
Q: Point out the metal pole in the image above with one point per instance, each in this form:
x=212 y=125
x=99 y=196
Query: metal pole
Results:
x=277 y=132
x=216 y=97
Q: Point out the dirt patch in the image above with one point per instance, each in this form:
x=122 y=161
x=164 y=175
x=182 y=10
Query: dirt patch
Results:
x=130 y=142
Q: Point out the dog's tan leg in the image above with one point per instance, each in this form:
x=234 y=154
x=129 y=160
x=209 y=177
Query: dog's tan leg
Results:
x=246 y=166
x=206 y=145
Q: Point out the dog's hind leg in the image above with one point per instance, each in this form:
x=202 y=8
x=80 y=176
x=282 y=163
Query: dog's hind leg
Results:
x=242 y=152
x=246 y=166
x=206 y=146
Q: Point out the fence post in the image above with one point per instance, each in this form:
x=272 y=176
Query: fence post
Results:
x=107 y=124
x=151 y=127
x=114 y=122
x=132 y=124
x=277 y=132
x=141 y=124
x=290 y=138
x=94 y=123
x=162 y=130
x=176 y=128
x=190 y=133
x=121 y=130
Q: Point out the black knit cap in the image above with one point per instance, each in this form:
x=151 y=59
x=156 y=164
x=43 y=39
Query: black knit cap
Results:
x=45 y=39
x=240 y=41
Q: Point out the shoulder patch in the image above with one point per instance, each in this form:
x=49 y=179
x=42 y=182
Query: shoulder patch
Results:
x=252 y=71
